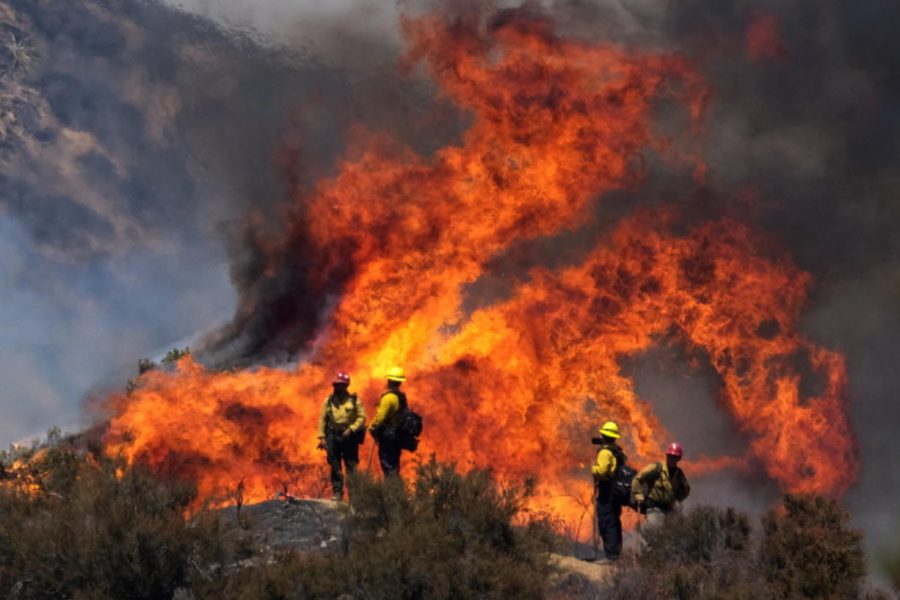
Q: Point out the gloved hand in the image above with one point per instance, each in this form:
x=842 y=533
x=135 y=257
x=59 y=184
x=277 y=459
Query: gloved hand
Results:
x=347 y=433
x=322 y=445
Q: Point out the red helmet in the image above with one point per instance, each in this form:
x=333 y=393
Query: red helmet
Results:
x=341 y=378
x=675 y=449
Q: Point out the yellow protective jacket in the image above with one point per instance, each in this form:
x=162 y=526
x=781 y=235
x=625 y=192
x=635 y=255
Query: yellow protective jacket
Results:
x=388 y=406
x=341 y=414
x=660 y=485
x=604 y=467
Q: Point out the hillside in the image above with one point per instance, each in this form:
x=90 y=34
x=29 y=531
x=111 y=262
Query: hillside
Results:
x=447 y=536
x=75 y=524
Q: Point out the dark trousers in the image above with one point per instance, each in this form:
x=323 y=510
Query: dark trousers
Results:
x=341 y=449
x=609 y=524
x=389 y=456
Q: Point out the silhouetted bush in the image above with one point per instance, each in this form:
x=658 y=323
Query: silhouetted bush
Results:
x=174 y=355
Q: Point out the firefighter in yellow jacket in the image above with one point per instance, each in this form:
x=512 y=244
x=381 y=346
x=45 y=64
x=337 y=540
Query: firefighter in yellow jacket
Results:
x=658 y=486
x=342 y=428
x=385 y=421
x=608 y=508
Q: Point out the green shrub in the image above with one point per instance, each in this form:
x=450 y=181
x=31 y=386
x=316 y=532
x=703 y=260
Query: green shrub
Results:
x=703 y=535
x=174 y=355
x=697 y=555
x=805 y=550
x=808 y=551
x=95 y=529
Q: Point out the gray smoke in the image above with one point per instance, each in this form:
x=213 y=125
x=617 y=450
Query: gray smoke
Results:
x=136 y=143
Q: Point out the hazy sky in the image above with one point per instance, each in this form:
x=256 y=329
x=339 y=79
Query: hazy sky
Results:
x=140 y=139
x=69 y=328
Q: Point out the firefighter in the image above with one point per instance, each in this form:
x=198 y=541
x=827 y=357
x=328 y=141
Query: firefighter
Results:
x=385 y=421
x=658 y=486
x=342 y=426
x=609 y=508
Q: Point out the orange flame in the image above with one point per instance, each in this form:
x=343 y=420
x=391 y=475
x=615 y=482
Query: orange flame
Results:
x=521 y=385
x=23 y=476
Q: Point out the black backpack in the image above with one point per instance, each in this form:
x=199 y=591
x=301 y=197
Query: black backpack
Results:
x=622 y=477
x=407 y=424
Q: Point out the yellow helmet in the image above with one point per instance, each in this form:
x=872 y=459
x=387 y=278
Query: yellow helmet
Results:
x=395 y=374
x=610 y=429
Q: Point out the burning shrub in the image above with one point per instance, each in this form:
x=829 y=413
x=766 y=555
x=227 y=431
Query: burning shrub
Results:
x=174 y=355
x=449 y=536
x=96 y=529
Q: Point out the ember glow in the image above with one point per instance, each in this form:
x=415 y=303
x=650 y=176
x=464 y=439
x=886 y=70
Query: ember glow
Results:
x=520 y=385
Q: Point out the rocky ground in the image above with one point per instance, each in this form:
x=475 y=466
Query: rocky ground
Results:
x=314 y=525
x=302 y=525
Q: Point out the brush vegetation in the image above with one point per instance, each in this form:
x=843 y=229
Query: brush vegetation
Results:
x=82 y=525
x=804 y=549
x=77 y=524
